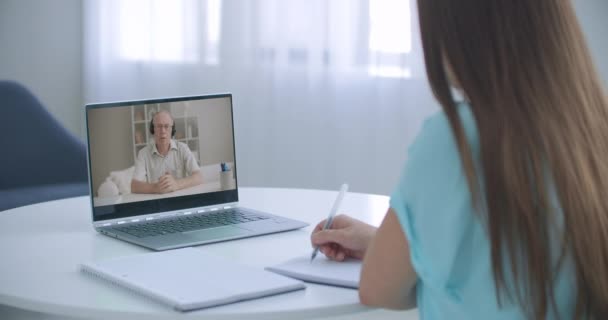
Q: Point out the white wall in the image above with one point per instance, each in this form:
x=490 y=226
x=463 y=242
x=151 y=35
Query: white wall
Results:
x=41 y=47
x=214 y=127
x=593 y=16
x=112 y=140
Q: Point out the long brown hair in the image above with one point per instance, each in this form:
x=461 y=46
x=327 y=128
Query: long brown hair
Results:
x=542 y=119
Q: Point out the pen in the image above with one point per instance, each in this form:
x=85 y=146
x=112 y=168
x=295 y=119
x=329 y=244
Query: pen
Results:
x=332 y=213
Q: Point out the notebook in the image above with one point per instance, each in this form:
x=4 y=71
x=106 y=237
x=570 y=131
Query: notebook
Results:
x=187 y=279
x=135 y=150
x=321 y=270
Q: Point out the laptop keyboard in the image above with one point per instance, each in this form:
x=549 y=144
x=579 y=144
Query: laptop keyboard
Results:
x=190 y=223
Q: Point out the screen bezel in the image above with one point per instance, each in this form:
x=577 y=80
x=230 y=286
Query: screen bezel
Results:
x=131 y=209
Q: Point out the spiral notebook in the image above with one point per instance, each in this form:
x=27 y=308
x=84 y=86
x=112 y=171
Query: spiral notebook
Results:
x=321 y=270
x=188 y=278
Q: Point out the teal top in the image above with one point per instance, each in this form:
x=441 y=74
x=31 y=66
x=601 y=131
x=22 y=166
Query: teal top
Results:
x=449 y=244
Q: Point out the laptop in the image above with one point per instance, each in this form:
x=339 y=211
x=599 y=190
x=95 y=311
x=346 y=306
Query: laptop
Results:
x=163 y=173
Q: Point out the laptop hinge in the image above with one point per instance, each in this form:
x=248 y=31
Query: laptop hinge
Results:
x=154 y=216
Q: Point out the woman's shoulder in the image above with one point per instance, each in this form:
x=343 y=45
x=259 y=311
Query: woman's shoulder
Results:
x=434 y=154
x=436 y=132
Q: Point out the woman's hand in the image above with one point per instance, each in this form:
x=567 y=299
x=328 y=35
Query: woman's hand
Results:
x=346 y=238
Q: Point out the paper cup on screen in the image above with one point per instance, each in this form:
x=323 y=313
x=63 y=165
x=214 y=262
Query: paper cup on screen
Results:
x=226 y=180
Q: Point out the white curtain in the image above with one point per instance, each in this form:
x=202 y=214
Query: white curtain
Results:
x=325 y=91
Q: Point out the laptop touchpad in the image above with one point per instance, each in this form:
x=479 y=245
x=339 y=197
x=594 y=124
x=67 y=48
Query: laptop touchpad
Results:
x=216 y=233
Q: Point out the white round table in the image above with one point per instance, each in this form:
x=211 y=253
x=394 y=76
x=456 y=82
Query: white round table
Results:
x=42 y=245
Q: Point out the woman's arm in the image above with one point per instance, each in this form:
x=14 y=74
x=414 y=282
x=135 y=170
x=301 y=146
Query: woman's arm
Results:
x=388 y=279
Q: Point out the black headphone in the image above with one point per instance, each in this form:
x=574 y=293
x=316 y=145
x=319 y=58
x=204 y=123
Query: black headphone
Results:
x=152 y=127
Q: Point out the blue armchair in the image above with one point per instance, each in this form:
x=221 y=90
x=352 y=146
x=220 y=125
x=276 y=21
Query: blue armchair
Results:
x=41 y=160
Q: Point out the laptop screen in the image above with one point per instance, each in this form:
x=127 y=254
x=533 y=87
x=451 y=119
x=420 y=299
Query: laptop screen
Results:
x=152 y=156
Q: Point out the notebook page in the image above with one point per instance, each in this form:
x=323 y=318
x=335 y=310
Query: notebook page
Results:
x=321 y=270
x=189 y=278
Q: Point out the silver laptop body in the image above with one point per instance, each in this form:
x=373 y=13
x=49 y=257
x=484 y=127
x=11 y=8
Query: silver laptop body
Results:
x=208 y=212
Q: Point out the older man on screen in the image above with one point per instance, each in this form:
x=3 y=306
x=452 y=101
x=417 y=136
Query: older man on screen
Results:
x=166 y=165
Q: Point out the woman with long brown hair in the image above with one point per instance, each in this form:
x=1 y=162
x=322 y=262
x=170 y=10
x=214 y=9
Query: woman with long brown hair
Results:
x=500 y=212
